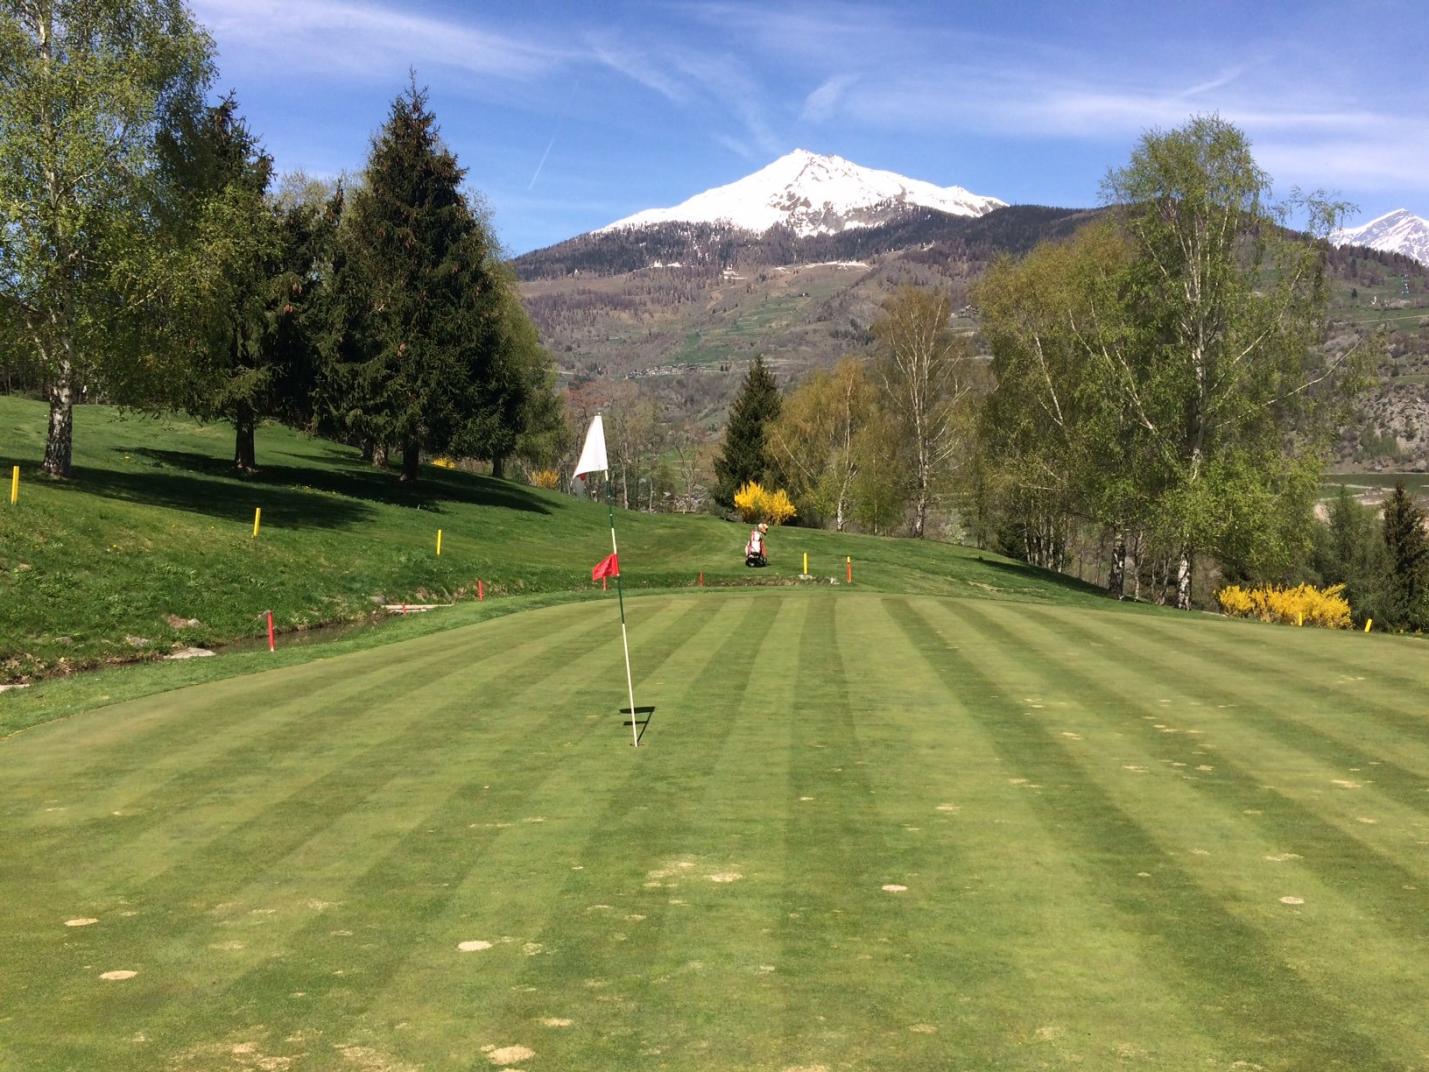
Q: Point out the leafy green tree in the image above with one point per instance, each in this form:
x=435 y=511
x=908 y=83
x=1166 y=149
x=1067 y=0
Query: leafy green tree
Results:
x=540 y=435
x=1350 y=549
x=1408 y=595
x=930 y=383
x=817 y=436
x=1222 y=365
x=1053 y=433
x=745 y=455
x=419 y=361
x=86 y=87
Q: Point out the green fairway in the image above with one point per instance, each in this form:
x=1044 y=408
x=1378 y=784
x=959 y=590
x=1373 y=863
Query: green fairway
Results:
x=863 y=832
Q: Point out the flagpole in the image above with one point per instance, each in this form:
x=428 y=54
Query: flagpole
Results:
x=620 y=595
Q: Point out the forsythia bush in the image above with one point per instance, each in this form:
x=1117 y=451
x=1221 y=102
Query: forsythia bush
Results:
x=546 y=478
x=1290 y=606
x=754 y=503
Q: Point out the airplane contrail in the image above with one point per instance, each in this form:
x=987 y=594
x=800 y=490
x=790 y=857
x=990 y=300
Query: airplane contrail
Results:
x=559 y=121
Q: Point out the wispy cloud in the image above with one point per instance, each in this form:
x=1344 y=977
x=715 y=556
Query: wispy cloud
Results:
x=820 y=104
x=363 y=40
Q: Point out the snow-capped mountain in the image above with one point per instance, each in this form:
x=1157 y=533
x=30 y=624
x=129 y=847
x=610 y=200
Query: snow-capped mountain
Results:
x=1399 y=231
x=813 y=195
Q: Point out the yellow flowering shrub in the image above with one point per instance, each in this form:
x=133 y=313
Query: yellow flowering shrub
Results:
x=754 y=503
x=546 y=478
x=1302 y=605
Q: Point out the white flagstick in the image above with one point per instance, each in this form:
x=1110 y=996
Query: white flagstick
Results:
x=624 y=639
x=593 y=459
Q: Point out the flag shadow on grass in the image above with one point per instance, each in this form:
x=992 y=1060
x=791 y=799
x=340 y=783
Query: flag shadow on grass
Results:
x=637 y=720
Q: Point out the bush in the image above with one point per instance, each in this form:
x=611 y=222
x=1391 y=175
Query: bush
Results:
x=754 y=503
x=1302 y=605
x=546 y=478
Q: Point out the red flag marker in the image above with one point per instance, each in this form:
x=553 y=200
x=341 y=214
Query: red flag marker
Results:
x=609 y=566
x=272 y=642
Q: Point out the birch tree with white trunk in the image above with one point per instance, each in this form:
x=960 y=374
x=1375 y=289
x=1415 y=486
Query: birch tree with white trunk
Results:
x=929 y=379
x=86 y=86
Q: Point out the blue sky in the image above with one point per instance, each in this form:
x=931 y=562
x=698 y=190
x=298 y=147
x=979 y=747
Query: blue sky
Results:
x=571 y=115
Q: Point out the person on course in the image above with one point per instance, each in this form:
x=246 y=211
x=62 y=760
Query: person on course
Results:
x=756 y=549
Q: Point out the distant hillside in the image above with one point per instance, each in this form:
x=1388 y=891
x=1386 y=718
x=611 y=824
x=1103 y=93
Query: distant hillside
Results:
x=681 y=308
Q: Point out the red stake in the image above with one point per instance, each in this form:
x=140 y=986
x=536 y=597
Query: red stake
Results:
x=272 y=643
x=702 y=578
x=480 y=590
x=850 y=569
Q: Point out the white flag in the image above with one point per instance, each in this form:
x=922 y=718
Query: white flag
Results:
x=593 y=453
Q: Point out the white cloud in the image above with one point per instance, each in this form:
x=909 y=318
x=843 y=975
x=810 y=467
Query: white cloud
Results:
x=820 y=104
x=365 y=40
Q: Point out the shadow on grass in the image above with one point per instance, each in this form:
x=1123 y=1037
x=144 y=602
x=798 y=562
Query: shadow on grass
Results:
x=354 y=480
x=1024 y=571
x=230 y=499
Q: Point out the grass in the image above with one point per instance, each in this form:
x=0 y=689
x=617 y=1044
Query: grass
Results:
x=149 y=546
x=1127 y=840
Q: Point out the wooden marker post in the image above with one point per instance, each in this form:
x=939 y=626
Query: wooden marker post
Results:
x=257 y=520
x=848 y=568
x=272 y=641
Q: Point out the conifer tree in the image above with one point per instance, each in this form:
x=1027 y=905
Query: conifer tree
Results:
x=255 y=322
x=745 y=455
x=420 y=363
x=1408 y=561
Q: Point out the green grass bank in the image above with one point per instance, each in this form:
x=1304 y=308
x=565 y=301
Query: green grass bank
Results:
x=149 y=546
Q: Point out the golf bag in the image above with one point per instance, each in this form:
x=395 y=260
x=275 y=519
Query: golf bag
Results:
x=755 y=559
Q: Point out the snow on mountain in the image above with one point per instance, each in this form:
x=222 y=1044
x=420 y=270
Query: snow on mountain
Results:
x=1399 y=231
x=813 y=194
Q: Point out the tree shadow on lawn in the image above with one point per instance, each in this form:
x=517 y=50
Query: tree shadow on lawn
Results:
x=227 y=499
x=355 y=480
x=1024 y=572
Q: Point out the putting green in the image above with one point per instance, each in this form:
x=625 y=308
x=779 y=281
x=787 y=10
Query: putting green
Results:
x=862 y=832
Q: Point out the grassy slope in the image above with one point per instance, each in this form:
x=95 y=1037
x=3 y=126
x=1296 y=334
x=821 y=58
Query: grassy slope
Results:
x=156 y=525
x=1096 y=815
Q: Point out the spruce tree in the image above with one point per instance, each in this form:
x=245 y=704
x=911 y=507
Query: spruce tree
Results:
x=1408 y=561
x=745 y=455
x=420 y=364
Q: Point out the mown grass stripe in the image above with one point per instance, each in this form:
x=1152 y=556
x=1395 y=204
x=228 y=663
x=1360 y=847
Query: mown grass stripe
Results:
x=1359 y=891
x=1406 y=717
x=263 y=841
x=1189 y=938
x=408 y=892
x=1255 y=677
x=995 y=893
x=1345 y=862
x=639 y=816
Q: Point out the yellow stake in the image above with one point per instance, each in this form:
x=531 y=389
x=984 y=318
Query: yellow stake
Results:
x=806 y=563
x=257 y=520
x=439 y=543
x=1300 y=618
x=15 y=486
x=1367 y=624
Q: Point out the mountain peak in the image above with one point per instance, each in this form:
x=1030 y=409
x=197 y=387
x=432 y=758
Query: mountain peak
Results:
x=1398 y=231
x=813 y=193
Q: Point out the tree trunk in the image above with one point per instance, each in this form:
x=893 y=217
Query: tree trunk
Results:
x=243 y=448
x=59 y=441
x=411 y=463
x=839 y=515
x=1183 y=581
x=378 y=452
x=367 y=449
x=1116 y=580
x=498 y=467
